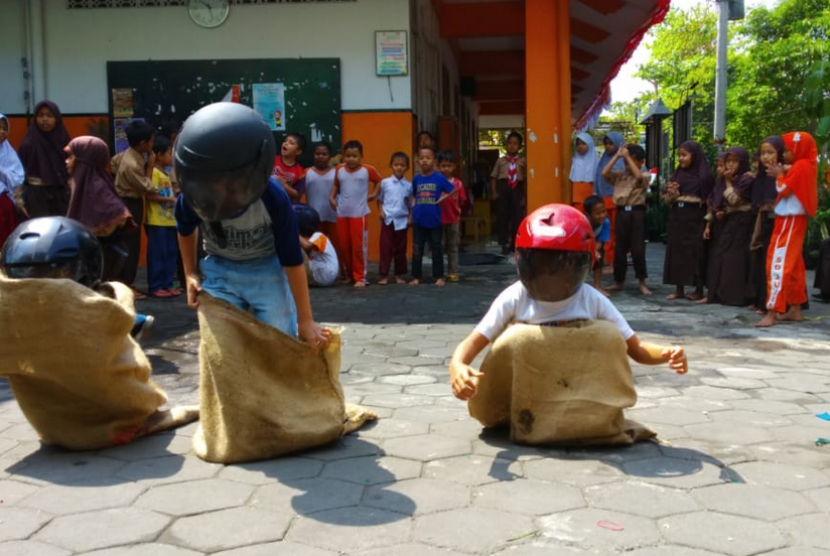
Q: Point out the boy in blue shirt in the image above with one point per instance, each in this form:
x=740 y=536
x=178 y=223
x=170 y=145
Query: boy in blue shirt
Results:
x=429 y=189
x=224 y=156
x=597 y=215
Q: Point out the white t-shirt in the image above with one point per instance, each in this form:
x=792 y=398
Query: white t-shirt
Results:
x=317 y=188
x=396 y=197
x=514 y=305
x=353 y=193
x=323 y=260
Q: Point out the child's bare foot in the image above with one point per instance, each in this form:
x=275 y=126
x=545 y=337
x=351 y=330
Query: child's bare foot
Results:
x=608 y=269
x=383 y=281
x=677 y=294
x=618 y=287
x=440 y=283
x=399 y=280
x=414 y=282
x=694 y=296
x=703 y=301
x=360 y=284
x=793 y=314
x=760 y=311
x=771 y=319
x=345 y=280
x=644 y=289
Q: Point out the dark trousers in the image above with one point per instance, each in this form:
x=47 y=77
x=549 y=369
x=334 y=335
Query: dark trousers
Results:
x=510 y=210
x=132 y=241
x=392 y=247
x=46 y=200
x=420 y=237
x=115 y=253
x=162 y=253
x=822 y=281
x=630 y=232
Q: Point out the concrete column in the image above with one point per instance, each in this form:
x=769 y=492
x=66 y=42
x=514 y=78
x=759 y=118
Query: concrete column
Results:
x=563 y=26
x=543 y=76
x=37 y=50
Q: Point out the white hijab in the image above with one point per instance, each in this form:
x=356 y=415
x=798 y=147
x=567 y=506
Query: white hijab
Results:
x=11 y=170
x=584 y=167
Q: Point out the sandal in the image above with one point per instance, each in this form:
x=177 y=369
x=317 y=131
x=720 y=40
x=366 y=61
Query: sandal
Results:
x=137 y=294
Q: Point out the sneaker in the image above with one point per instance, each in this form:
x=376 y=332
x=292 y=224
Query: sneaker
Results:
x=142 y=326
x=452 y=278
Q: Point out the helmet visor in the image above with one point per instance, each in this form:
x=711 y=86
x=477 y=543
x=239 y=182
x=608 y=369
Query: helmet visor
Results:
x=72 y=270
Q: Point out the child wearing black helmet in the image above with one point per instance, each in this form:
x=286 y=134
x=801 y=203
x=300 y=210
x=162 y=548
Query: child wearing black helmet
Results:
x=555 y=249
x=223 y=160
x=322 y=265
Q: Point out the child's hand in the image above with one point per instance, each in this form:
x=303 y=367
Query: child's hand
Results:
x=720 y=215
x=382 y=215
x=706 y=233
x=333 y=203
x=623 y=151
x=464 y=380
x=677 y=359
x=314 y=335
x=194 y=288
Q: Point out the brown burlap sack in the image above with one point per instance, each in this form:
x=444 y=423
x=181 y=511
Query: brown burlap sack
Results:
x=263 y=393
x=559 y=385
x=80 y=379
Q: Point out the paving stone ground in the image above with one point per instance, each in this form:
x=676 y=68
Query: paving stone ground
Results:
x=737 y=472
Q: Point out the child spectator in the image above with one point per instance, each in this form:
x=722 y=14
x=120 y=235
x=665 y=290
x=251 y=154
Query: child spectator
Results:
x=430 y=189
x=688 y=188
x=630 y=186
x=394 y=205
x=46 y=192
x=94 y=202
x=319 y=179
x=796 y=202
x=160 y=224
x=611 y=142
x=583 y=169
x=507 y=189
x=224 y=156
x=423 y=139
x=12 y=177
x=321 y=264
x=597 y=214
x=287 y=169
x=133 y=180
x=451 y=213
x=763 y=203
x=555 y=248
x=350 y=197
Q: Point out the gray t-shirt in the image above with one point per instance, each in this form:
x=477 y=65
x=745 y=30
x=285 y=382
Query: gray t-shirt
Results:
x=248 y=236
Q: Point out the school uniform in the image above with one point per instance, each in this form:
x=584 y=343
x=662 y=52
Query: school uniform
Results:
x=450 y=221
x=509 y=172
x=131 y=184
x=630 y=226
x=395 y=199
x=162 y=245
x=352 y=221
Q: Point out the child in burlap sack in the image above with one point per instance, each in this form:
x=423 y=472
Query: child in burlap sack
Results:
x=566 y=349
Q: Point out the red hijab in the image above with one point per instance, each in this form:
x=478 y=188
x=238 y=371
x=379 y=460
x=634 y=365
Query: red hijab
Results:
x=802 y=177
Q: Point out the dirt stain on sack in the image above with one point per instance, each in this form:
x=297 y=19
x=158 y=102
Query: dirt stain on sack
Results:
x=526 y=420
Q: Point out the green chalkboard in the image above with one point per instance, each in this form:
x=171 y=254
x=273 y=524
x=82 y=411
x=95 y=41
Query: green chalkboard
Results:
x=169 y=91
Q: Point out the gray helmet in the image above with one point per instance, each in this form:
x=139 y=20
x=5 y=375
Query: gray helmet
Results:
x=223 y=158
x=53 y=247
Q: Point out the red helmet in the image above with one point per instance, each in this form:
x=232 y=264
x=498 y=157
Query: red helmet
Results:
x=557 y=227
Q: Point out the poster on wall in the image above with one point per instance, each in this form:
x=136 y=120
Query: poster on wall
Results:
x=269 y=102
x=392 y=56
x=120 y=127
x=122 y=103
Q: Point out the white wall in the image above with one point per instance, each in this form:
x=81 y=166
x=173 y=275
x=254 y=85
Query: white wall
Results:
x=79 y=42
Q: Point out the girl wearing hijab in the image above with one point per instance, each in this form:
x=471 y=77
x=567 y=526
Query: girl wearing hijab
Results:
x=583 y=169
x=11 y=177
x=797 y=199
x=689 y=186
x=763 y=205
x=94 y=202
x=604 y=189
x=46 y=192
x=729 y=225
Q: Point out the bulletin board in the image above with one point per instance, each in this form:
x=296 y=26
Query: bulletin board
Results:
x=169 y=90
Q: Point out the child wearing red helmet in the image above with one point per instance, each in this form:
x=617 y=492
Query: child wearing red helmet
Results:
x=555 y=247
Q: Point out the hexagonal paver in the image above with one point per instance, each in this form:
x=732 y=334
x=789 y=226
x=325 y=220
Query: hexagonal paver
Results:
x=754 y=501
x=727 y=534
x=345 y=447
x=821 y=498
x=194 y=497
x=408 y=550
x=351 y=529
x=484 y=529
x=12 y=492
x=799 y=551
x=732 y=434
x=641 y=499
x=712 y=393
x=149 y=549
x=599 y=529
x=426 y=447
x=305 y=496
x=779 y=475
x=372 y=470
x=395 y=401
x=734 y=382
x=768 y=406
x=467 y=429
x=169 y=469
x=808 y=530
x=153 y=446
x=228 y=529
x=677 y=473
x=50 y=466
x=84 y=497
x=93 y=530
x=668 y=416
x=392 y=428
x=528 y=497
x=539 y=549
x=429 y=390
x=283 y=548
x=17 y=523
x=406 y=380
x=30 y=548
x=431 y=414
x=418 y=496
x=669 y=550
x=577 y=472
x=473 y=470
x=268 y=471
x=754 y=418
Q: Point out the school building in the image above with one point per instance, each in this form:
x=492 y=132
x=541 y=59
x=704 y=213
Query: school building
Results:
x=373 y=70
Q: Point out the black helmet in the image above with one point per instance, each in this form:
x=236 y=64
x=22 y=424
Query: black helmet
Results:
x=223 y=158
x=53 y=247
x=308 y=219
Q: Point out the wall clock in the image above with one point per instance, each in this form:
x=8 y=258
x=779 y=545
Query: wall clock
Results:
x=208 y=13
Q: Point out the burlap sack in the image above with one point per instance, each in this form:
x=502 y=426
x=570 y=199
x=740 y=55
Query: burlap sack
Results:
x=263 y=393
x=559 y=385
x=80 y=379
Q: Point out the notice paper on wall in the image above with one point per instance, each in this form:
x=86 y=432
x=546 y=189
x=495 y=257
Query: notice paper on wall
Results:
x=269 y=102
x=392 y=53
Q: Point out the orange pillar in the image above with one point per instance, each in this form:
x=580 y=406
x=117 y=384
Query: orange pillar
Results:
x=563 y=26
x=543 y=75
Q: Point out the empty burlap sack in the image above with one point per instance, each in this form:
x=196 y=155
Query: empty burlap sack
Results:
x=80 y=379
x=263 y=393
x=559 y=385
